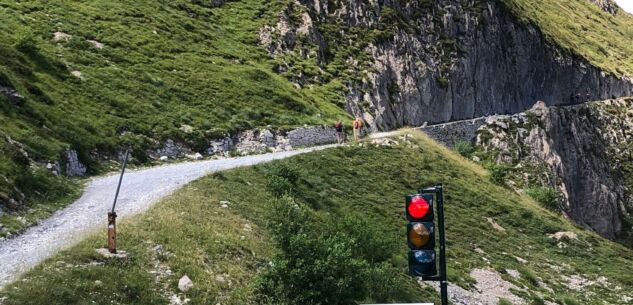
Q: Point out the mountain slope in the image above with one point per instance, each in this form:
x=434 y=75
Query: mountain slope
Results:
x=95 y=77
x=223 y=249
x=410 y=62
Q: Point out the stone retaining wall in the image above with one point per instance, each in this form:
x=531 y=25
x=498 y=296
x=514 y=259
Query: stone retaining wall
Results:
x=255 y=141
x=315 y=135
x=451 y=133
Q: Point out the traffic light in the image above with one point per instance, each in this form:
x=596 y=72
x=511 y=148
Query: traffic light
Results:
x=421 y=234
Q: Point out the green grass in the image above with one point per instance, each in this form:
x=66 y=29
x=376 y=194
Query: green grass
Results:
x=164 y=64
x=582 y=28
x=205 y=240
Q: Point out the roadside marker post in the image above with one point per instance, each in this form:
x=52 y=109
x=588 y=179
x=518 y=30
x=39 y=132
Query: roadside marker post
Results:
x=419 y=211
x=112 y=213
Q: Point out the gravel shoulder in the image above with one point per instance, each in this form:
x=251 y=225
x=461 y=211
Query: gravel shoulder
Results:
x=139 y=191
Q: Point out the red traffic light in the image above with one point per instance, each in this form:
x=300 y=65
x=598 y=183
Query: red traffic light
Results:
x=419 y=207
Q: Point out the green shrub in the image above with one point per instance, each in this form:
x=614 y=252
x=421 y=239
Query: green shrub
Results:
x=530 y=276
x=281 y=179
x=536 y=300
x=546 y=196
x=498 y=173
x=464 y=148
x=25 y=42
x=312 y=267
x=283 y=171
x=503 y=301
x=327 y=260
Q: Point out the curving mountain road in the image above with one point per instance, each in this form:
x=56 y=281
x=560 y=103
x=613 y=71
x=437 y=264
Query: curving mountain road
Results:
x=139 y=191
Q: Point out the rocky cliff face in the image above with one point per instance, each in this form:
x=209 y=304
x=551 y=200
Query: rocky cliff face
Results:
x=583 y=151
x=431 y=61
x=608 y=6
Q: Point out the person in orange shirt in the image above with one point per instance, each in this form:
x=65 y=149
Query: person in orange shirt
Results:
x=357 y=124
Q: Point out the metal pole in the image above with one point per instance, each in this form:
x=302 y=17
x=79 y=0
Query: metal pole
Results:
x=440 y=216
x=127 y=151
x=112 y=214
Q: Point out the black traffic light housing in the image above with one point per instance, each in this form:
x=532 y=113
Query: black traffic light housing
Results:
x=421 y=234
x=421 y=237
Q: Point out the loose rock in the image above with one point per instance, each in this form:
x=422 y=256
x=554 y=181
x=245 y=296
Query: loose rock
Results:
x=185 y=283
x=106 y=253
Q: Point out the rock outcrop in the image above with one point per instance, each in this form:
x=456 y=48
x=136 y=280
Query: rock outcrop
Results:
x=434 y=61
x=263 y=140
x=11 y=94
x=74 y=167
x=583 y=151
x=608 y=6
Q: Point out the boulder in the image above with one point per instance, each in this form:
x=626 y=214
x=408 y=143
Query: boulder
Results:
x=96 y=44
x=185 y=283
x=74 y=167
x=61 y=37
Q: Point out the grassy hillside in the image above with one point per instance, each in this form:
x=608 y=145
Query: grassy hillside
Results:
x=161 y=65
x=137 y=73
x=225 y=250
x=584 y=29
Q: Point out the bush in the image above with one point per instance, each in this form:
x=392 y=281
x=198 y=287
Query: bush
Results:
x=464 y=148
x=313 y=267
x=326 y=260
x=281 y=179
x=570 y=301
x=498 y=173
x=503 y=301
x=284 y=171
x=25 y=42
x=546 y=196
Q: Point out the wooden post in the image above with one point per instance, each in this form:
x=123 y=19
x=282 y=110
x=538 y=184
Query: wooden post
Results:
x=112 y=232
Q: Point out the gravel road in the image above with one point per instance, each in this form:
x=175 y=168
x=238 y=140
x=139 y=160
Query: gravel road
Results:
x=139 y=191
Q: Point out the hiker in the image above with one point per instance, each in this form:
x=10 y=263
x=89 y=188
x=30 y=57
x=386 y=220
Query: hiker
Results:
x=358 y=124
x=340 y=137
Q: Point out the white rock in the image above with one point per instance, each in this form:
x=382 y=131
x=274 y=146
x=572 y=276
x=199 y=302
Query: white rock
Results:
x=186 y=128
x=513 y=273
x=196 y=156
x=106 y=253
x=520 y=260
x=185 y=283
x=77 y=74
x=61 y=37
x=562 y=234
x=163 y=158
x=248 y=227
x=95 y=44
x=495 y=225
x=175 y=300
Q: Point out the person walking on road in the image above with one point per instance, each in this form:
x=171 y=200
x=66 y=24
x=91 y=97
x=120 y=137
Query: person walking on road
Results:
x=358 y=124
x=340 y=137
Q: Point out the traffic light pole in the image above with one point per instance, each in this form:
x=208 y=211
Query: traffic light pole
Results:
x=440 y=216
x=438 y=191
